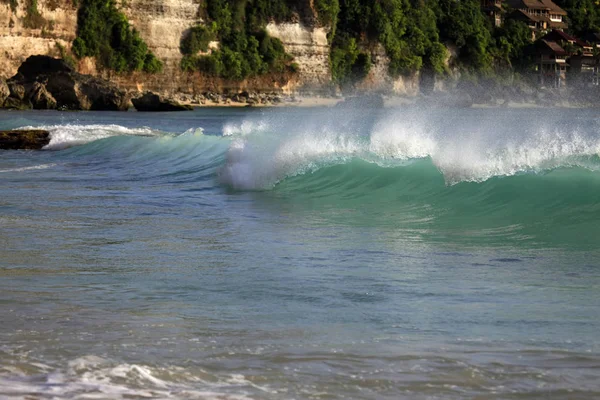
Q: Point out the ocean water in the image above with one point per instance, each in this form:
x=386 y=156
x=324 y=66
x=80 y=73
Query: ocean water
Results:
x=302 y=254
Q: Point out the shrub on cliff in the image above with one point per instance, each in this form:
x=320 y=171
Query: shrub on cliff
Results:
x=511 y=41
x=246 y=49
x=104 y=33
x=197 y=39
x=348 y=63
x=407 y=31
x=33 y=19
x=583 y=15
x=327 y=12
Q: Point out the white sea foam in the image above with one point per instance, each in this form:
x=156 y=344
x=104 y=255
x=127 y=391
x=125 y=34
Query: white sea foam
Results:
x=68 y=135
x=259 y=160
x=31 y=168
x=93 y=377
x=245 y=127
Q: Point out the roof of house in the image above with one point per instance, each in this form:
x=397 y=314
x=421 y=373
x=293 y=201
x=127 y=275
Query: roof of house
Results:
x=537 y=5
x=524 y=16
x=553 y=46
x=557 y=35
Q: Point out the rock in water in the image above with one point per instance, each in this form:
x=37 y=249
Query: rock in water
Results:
x=152 y=102
x=51 y=83
x=33 y=139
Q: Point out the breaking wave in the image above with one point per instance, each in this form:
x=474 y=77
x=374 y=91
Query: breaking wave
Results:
x=460 y=153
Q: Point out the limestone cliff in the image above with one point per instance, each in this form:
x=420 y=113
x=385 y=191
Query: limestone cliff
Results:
x=162 y=23
x=21 y=38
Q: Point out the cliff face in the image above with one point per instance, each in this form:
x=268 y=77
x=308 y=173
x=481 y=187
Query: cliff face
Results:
x=21 y=37
x=310 y=49
x=162 y=23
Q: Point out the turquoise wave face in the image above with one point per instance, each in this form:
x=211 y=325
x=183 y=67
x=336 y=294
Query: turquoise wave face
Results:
x=440 y=176
x=558 y=207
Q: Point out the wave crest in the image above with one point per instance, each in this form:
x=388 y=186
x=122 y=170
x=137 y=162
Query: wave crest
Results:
x=461 y=150
x=67 y=135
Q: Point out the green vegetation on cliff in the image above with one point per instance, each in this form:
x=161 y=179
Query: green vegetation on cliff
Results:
x=33 y=19
x=104 y=33
x=414 y=34
x=245 y=48
x=408 y=34
x=584 y=15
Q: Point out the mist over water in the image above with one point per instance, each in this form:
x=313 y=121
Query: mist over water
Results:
x=302 y=253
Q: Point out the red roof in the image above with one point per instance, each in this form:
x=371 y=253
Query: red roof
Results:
x=555 y=47
x=557 y=35
x=537 y=5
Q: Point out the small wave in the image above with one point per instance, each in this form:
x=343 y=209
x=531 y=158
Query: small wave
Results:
x=96 y=377
x=68 y=135
x=31 y=168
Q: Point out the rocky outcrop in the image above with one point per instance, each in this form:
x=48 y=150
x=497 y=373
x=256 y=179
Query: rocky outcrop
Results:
x=19 y=38
x=34 y=139
x=41 y=99
x=12 y=103
x=16 y=98
x=4 y=91
x=44 y=82
x=152 y=102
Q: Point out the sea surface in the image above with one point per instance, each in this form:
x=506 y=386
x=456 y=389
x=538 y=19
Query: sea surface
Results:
x=302 y=254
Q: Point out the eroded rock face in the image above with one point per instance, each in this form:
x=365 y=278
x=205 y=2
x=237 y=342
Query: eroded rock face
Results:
x=161 y=24
x=152 y=102
x=12 y=103
x=4 y=91
x=310 y=49
x=50 y=83
x=41 y=99
x=34 y=139
x=17 y=91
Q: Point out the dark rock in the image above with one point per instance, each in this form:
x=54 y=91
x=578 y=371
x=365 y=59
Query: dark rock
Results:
x=40 y=98
x=4 y=91
x=153 y=102
x=69 y=89
x=13 y=103
x=17 y=91
x=82 y=92
x=33 y=139
x=35 y=66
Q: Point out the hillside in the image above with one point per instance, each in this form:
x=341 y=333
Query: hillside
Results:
x=320 y=46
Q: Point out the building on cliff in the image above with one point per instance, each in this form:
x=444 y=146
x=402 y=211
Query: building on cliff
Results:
x=539 y=15
x=562 y=58
x=494 y=10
